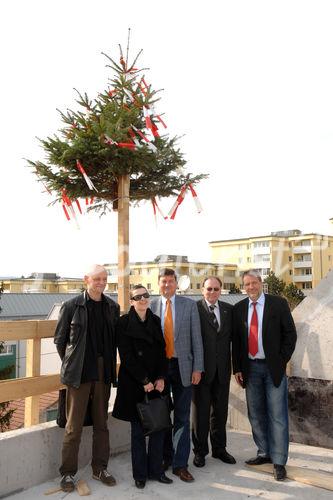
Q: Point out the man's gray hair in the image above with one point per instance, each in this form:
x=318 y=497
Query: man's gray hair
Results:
x=252 y=272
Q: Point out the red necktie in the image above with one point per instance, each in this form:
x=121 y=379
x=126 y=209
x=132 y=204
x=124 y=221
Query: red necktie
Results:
x=253 y=336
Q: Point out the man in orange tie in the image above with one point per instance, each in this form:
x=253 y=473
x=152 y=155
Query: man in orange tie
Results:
x=264 y=338
x=182 y=334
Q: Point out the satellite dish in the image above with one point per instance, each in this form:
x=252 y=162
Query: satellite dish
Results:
x=184 y=283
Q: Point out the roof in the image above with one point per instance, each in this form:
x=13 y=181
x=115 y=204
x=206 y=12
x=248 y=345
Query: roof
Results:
x=46 y=401
x=39 y=305
x=272 y=236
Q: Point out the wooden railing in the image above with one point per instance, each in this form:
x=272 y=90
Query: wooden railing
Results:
x=34 y=384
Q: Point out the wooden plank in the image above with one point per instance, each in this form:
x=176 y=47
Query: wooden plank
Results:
x=31 y=413
x=24 y=387
x=27 y=329
x=317 y=478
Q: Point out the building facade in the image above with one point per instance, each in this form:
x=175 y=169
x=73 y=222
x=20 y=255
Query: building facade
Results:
x=302 y=259
x=42 y=283
x=146 y=273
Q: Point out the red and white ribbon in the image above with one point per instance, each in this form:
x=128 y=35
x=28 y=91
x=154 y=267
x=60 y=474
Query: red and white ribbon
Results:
x=195 y=199
x=180 y=199
x=85 y=176
x=157 y=208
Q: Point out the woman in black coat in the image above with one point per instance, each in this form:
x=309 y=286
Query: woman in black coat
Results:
x=142 y=369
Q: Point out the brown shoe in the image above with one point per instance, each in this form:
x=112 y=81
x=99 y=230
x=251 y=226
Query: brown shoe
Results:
x=183 y=474
x=105 y=477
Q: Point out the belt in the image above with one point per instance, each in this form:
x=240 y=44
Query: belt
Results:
x=258 y=360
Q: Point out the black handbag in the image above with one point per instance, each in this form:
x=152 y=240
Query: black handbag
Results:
x=154 y=414
x=61 y=417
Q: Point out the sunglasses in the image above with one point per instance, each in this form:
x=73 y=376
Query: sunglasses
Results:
x=141 y=296
x=210 y=289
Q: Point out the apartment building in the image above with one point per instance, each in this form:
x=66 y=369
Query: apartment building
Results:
x=303 y=259
x=42 y=283
x=146 y=273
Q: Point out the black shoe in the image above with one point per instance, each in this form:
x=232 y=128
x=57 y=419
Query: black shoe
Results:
x=199 y=460
x=140 y=483
x=258 y=460
x=280 y=472
x=164 y=479
x=224 y=456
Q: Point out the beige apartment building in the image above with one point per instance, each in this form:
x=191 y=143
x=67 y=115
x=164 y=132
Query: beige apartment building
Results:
x=146 y=273
x=303 y=259
x=42 y=282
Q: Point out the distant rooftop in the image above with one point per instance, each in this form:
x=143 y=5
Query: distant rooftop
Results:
x=38 y=305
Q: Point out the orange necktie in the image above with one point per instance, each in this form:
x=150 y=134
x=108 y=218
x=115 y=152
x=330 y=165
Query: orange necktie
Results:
x=168 y=330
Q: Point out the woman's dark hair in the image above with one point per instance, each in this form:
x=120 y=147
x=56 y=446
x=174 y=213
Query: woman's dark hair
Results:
x=135 y=287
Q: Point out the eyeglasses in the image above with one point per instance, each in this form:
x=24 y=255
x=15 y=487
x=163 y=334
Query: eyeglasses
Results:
x=210 y=289
x=141 y=296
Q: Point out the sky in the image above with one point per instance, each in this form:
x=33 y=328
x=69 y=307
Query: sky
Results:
x=248 y=85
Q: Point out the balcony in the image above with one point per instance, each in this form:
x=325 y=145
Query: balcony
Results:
x=302 y=263
x=302 y=249
x=261 y=250
x=299 y=278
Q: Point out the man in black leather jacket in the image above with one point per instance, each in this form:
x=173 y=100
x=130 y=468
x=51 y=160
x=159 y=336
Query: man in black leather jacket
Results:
x=85 y=340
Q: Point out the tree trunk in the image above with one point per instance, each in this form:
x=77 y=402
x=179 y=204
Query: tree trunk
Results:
x=123 y=242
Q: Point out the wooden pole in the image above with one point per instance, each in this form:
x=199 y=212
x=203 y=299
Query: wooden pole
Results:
x=123 y=242
x=31 y=412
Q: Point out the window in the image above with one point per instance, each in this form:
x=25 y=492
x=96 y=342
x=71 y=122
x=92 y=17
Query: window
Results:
x=307 y=285
x=191 y=286
x=261 y=244
x=148 y=286
x=240 y=260
x=51 y=414
x=248 y=259
x=308 y=270
x=7 y=349
x=329 y=257
x=289 y=258
x=290 y=272
x=198 y=286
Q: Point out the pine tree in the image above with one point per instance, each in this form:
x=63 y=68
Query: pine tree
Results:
x=117 y=133
x=5 y=413
x=275 y=285
x=293 y=295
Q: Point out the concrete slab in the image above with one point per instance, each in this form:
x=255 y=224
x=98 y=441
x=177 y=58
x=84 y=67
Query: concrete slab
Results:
x=216 y=481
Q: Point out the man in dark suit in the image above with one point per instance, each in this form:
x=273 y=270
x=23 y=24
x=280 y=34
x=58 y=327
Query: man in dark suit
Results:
x=264 y=338
x=181 y=329
x=210 y=396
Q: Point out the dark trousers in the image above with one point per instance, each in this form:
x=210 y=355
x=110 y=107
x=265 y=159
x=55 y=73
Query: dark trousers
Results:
x=76 y=406
x=210 y=413
x=177 y=443
x=146 y=463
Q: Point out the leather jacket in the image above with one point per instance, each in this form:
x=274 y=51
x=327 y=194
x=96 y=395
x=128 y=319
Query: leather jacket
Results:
x=71 y=334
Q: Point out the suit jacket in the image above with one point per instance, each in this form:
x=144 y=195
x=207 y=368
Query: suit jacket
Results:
x=278 y=336
x=187 y=336
x=216 y=344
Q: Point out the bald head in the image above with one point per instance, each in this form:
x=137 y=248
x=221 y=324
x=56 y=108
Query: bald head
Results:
x=96 y=279
x=95 y=269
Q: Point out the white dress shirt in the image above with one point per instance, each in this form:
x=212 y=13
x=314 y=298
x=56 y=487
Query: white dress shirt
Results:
x=260 y=312
x=216 y=311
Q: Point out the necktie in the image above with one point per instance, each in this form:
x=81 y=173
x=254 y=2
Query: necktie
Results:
x=168 y=330
x=253 y=336
x=213 y=316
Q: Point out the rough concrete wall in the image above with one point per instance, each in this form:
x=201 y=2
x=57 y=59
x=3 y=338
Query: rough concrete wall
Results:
x=32 y=456
x=311 y=411
x=313 y=357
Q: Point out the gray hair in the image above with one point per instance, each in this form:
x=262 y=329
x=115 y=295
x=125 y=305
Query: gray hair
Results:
x=252 y=272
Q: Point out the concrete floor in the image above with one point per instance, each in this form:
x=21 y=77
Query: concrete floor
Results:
x=215 y=481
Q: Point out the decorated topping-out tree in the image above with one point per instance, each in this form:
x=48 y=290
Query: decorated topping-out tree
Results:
x=114 y=151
